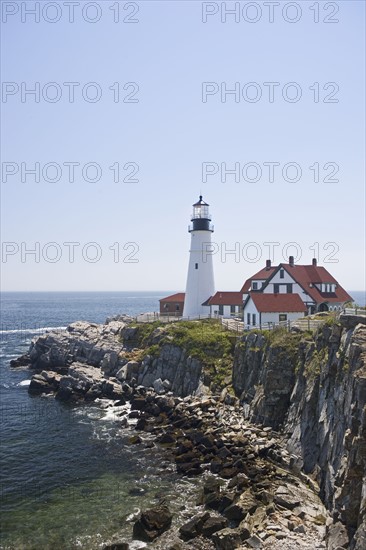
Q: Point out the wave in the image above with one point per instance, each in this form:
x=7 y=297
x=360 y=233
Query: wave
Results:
x=31 y=330
x=24 y=383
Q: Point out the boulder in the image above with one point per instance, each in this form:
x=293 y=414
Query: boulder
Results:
x=116 y=546
x=212 y=525
x=158 y=386
x=152 y=523
x=227 y=539
x=39 y=385
x=246 y=504
x=194 y=526
x=337 y=537
x=286 y=498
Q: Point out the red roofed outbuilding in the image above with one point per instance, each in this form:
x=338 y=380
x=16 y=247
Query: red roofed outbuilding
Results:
x=226 y=304
x=172 y=305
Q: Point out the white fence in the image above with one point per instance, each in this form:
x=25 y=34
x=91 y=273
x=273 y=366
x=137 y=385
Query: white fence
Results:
x=235 y=325
x=354 y=311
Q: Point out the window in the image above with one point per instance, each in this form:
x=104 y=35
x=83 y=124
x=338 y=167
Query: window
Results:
x=282 y=317
x=248 y=318
x=232 y=309
x=196 y=266
x=289 y=288
x=254 y=286
x=254 y=319
x=282 y=273
x=221 y=310
x=276 y=288
x=177 y=307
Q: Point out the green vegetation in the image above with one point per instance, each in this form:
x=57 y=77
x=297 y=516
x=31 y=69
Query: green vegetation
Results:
x=209 y=343
x=205 y=340
x=144 y=332
x=287 y=341
x=313 y=368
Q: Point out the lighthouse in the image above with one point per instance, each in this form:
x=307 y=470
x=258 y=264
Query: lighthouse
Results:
x=200 y=279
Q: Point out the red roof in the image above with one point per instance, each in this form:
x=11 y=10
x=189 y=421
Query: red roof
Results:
x=277 y=303
x=311 y=274
x=226 y=299
x=179 y=297
x=263 y=274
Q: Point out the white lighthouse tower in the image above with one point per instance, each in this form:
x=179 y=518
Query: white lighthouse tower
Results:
x=200 y=280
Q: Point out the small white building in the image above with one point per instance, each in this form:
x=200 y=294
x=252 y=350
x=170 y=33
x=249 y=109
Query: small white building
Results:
x=226 y=304
x=260 y=308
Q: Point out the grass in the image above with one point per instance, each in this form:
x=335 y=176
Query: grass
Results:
x=313 y=368
x=209 y=343
x=204 y=340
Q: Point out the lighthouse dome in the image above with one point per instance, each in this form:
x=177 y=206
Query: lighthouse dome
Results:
x=201 y=210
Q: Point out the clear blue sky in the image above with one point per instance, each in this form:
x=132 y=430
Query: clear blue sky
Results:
x=170 y=132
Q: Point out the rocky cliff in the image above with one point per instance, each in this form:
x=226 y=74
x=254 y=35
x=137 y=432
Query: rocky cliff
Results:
x=313 y=388
x=309 y=386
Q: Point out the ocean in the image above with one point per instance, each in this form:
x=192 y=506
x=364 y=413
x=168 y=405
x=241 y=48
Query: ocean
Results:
x=69 y=477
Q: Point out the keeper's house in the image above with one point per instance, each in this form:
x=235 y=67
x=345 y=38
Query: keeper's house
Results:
x=288 y=291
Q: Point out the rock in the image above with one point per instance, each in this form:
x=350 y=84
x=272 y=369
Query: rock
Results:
x=138 y=403
x=246 y=504
x=167 y=385
x=81 y=380
x=254 y=542
x=285 y=497
x=39 y=385
x=226 y=539
x=22 y=361
x=116 y=546
x=337 y=537
x=134 y=440
x=152 y=523
x=194 y=526
x=158 y=386
x=167 y=439
x=213 y=524
x=113 y=390
x=351 y=321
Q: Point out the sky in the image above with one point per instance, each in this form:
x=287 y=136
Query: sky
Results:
x=139 y=107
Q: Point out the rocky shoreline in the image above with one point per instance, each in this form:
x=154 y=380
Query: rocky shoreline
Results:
x=255 y=493
x=250 y=497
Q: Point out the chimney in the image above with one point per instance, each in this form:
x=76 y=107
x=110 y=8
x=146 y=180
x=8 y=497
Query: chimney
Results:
x=314 y=262
x=291 y=261
x=268 y=264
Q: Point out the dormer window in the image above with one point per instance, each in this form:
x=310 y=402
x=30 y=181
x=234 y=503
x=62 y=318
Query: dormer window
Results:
x=255 y=286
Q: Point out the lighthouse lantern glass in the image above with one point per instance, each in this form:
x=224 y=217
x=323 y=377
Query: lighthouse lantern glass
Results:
x=201 y=211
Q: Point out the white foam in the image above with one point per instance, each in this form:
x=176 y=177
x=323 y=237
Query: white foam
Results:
x=31 y=330
x=134 y=516
x=137 y=544
x=24 y=383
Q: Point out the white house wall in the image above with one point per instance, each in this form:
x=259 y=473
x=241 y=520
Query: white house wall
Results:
x=275 y=317
x=267 y=317
x=287 y=279
x=226 y=311
x=250 y=308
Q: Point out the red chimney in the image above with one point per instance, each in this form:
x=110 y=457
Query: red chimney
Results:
x=291 y=261
x=268 y=264
x=314 y=262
